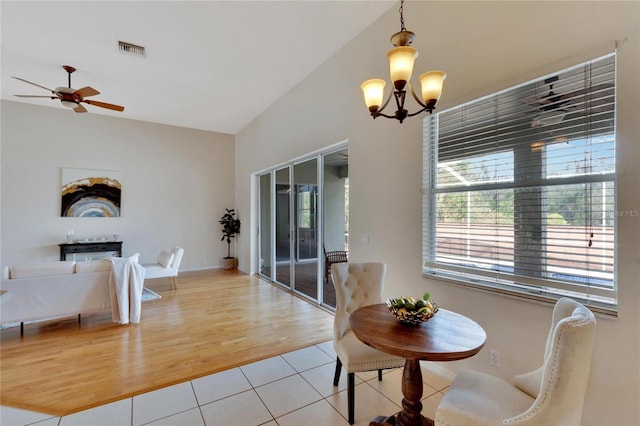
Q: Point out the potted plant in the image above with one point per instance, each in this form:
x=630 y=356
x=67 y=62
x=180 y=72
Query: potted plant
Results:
x=230 y=228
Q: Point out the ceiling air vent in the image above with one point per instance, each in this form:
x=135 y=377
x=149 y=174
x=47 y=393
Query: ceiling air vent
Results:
x=131 y=49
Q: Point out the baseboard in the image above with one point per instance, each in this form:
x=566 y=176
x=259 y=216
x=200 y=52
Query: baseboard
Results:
x=440 y=370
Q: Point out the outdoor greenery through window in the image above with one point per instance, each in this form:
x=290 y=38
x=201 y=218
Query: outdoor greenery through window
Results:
x=519 y=188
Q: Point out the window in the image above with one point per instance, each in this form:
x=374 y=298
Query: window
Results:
x=306 y=206
x=519 y=188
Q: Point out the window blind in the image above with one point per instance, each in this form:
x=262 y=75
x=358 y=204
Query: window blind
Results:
x=519 y=188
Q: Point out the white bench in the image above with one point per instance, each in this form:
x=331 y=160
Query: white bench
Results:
x=166 y=265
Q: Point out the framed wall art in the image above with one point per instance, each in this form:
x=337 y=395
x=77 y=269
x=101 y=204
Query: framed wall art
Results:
x=90 y=193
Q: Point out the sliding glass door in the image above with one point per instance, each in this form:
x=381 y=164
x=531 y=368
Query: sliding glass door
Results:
x=282 y=216
x=265 y=251
x=305 y=264
x=335 y=213
x=294 y=223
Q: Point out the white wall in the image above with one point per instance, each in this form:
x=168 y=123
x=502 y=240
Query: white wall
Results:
x=484 y=47
x=176 y=184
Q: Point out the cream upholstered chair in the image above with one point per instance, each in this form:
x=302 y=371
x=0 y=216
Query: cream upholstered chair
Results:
x=167 y=265
x=357 y=285
x=551 y=395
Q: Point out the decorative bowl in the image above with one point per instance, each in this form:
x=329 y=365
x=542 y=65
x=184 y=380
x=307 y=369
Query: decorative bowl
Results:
x=405 y=309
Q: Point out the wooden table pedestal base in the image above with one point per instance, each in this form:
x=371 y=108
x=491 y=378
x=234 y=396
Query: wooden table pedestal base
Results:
x=411 y=404
x=392 y=421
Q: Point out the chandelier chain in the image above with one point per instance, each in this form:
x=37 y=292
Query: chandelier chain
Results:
x=401 y=10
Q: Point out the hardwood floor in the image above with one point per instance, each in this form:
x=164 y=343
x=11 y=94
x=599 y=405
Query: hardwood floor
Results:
x=214 y=321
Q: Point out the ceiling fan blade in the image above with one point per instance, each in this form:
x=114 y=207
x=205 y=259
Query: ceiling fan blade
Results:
x=86 y=91
x=104 y=105
x=36 y=96
x=596 y=91
x=34 y=84
x=80 y=108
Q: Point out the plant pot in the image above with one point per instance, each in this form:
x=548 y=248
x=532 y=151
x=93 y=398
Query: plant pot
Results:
x=229 y=263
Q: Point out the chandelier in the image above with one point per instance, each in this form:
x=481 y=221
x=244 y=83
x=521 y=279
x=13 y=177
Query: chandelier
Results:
x=401 y=59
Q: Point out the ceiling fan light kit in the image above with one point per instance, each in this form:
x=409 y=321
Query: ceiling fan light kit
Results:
x=548 y=118
x=401 y=60
x=69 y=97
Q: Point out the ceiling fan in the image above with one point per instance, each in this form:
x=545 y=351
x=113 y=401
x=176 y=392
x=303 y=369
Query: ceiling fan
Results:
x=553 y=107
x=71 y=98
x=551 y=100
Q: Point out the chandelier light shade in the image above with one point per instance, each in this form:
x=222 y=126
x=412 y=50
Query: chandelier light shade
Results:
x=431 y=83
x=401 y=60
x=373 y=93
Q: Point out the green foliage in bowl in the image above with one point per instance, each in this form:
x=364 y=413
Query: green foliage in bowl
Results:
x=411 y=310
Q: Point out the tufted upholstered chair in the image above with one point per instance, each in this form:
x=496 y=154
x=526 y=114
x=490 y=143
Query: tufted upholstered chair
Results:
x=551 y=395
x=357 y=285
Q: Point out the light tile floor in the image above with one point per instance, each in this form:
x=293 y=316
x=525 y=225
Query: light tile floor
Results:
x=293 y=389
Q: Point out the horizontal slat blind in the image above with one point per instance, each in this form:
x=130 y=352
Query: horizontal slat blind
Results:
x=519 y=187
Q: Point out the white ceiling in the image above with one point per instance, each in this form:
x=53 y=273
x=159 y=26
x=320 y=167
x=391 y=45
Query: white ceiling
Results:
x=211 y=65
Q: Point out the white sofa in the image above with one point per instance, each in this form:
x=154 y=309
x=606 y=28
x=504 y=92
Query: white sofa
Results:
x=53 y=290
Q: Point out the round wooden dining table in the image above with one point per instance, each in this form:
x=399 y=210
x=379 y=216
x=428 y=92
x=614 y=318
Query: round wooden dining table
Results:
x=447 y=336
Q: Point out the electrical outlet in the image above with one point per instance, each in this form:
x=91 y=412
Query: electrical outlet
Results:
x=494 y=358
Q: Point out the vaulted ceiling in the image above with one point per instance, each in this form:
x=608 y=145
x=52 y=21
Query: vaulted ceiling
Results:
x=211 y=65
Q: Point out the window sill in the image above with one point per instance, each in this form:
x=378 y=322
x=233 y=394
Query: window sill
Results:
x=601 y=311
